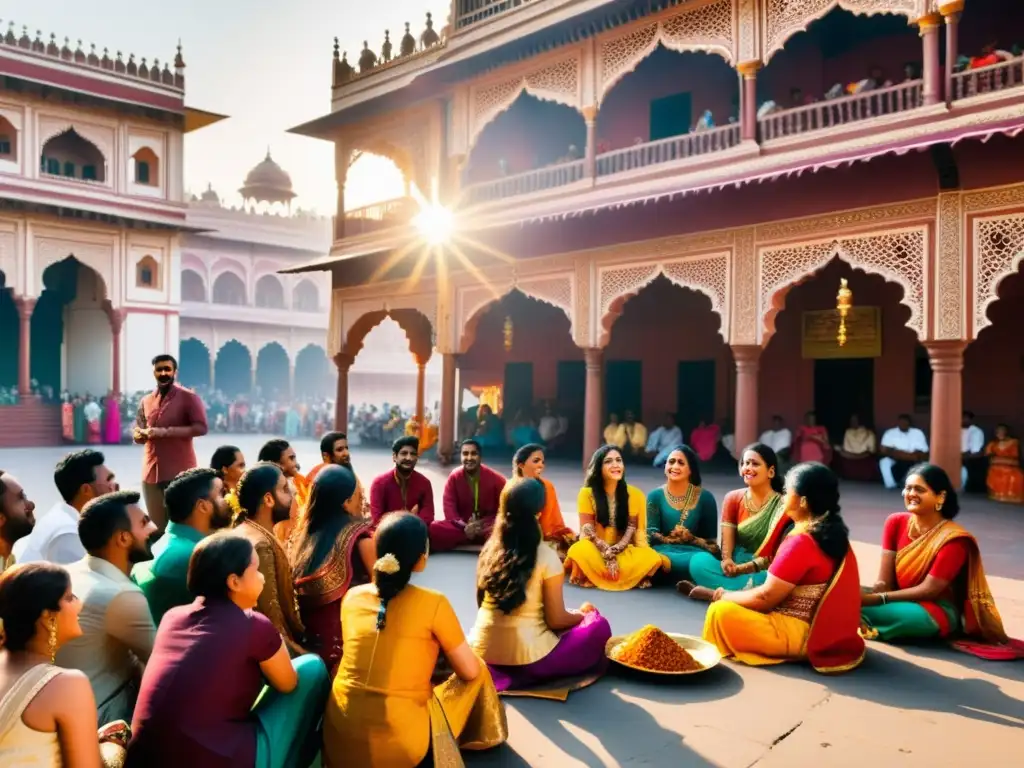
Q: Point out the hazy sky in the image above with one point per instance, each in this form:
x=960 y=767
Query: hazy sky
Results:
x=266 y=64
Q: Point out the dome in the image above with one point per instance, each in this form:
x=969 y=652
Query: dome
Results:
x=209 y=197
x=268 y=182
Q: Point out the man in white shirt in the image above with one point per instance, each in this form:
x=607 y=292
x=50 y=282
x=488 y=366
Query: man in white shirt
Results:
x=552 y=428
x=902 y=446
x=663 y=440
x=778 y=438
x=972 y=449
x=117 y=626
x=80 y=477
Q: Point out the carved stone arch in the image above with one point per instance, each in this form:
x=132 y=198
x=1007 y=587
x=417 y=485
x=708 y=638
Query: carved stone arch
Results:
x=222 y=265
x=784 y=18
x=99 y=258
x=559 y=81
x=102 y=144
x=899 y=256
x=398 y=155
x=191 y=261
x=708 y=274
x=473 y=301
x=204 y=337
x=414 y=323
x=708 y=27
x=998 y=254
x=244 y=339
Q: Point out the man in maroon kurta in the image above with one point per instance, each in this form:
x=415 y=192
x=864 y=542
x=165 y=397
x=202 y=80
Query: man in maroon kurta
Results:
x=168 y=418
x=403 y=488
x=471 y=497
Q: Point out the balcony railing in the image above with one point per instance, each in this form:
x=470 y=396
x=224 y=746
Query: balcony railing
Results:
x=668 y=150
x=387 y=209
x=469 y=12
x=995 y=77
x=549 y=177
x=842 y=111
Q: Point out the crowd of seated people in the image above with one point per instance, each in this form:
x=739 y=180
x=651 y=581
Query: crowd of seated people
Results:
x=109 y=621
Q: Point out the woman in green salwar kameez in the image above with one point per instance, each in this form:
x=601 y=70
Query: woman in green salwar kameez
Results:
x=682 y=517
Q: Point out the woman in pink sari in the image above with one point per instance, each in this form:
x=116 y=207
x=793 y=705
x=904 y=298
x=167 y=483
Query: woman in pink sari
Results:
x=704 y=440
x=112 y=420
x=811 y=443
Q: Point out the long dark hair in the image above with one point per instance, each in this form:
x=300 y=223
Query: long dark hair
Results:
x=771 y=461
x=522 y=455
x=509 y=557
x=25 y=592
x=595 y=482
x=820 y=486
x=691 y=459
x=403 y=536
x=324 y=519
x=936 y=478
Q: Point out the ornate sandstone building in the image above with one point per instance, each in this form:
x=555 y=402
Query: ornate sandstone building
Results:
x=654 y=202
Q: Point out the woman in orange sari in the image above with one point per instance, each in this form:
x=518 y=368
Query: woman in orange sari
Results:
x=931 y=582
x=1005 y=479
x=529 y=462
x=332 y=550
x=809 y=606
x=811 y=443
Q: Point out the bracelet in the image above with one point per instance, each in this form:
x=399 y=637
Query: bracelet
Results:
x=883 y=597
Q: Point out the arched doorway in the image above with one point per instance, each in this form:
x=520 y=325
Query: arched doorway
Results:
x=232 y=370
x=72 y=342
x=666 y=358
x=10 y=336
x=305 y=297
x=272 y=371
x=312 y=372
x=228 y=288
x=384 y=371
x=269 y=292
x=193 y=287
x=194 y=364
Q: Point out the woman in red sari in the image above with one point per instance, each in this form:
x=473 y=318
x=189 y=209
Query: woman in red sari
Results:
x=332 y=550
x=811 y=443
x=529 y=462
x=1005 y=478
x=809 y=606
x=931 y=582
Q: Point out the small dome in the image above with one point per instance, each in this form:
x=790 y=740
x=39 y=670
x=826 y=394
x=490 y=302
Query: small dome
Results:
x=268 y=182
x=209 y=197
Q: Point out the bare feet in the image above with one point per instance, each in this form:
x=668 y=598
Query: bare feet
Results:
x=692 y=591
x=684 y=588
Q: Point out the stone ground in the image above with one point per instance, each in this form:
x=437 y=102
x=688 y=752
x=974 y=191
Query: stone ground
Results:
x=905 y=707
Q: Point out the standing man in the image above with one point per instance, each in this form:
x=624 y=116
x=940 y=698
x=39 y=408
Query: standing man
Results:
x=169 y=418
x=17 y=517
x=403 y=488
x=334 y=451
x=472 y=494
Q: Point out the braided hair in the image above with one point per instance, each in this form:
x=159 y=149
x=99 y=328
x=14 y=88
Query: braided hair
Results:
x=401 y=541
x=820 y=487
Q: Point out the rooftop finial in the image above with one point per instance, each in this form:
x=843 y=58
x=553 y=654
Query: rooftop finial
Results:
x=179 y=62
x=336 y=49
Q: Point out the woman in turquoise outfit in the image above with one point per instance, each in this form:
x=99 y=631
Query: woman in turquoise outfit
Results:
x=682 y=517
x=753 y=525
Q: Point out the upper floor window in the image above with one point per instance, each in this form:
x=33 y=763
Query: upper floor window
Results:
x=70 y=155
x=146 y=167
x=228 y=288
x=269 y=293
x=305 y=297
x=8 y=140
x=142 y=172
x=6 y=146
x=147 y=273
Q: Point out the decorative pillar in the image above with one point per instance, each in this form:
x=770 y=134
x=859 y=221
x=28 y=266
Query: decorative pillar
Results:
x=947 y=359
x=590 y=157
x=421 y=385
x=213 y=370
x=116 y=317
x=748 y=99
x=291 y=379
x=25 y=307
x=951 y=14
x=454 y=182
x=342 y=158
x=446 y=429
x=342 y=362
x=929 y=31
x=747 y=358
x=593 y=402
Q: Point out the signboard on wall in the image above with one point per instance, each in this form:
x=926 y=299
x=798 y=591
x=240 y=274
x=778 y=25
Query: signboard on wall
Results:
x=863 y=334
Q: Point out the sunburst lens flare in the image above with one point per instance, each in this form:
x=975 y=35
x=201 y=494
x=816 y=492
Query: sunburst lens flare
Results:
x=435 y=224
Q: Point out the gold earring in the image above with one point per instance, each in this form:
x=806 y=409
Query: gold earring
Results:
x=52 y=644
x=803 y=502
x=938 y=507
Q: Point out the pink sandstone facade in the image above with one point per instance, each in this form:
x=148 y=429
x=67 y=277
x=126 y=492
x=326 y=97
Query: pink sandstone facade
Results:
x=694 y=258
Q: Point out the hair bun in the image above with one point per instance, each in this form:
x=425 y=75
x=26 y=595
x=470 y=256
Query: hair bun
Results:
x=387 y=564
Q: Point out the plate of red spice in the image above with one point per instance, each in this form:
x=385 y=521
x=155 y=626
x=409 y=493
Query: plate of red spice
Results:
x=656 y=652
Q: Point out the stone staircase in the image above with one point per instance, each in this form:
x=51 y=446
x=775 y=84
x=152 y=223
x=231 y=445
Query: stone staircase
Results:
x=30 y=424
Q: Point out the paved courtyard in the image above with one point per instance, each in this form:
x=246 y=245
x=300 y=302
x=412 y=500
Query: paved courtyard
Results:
x=905 y=707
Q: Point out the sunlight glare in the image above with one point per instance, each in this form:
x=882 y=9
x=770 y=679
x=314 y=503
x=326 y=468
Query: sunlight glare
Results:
x=435 y=223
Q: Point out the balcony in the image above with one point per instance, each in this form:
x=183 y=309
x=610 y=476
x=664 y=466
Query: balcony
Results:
x=469 y=12
x=277 y=317
x=990 y=79
x=539 y=180
x=671 y=150
x=379 y=216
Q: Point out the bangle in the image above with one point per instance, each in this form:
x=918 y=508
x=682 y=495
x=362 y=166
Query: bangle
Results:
x=883 y=597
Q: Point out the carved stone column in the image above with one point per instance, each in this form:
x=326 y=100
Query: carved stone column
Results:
x=593 y=402
x=342 y=157
x=929 y=26
x=947 y=359
x=446 y=429
x=116 y=317
x=25 y=306
x=421 y=395
x=342 y=362
x=951 y=14
x=748 y=99
x=747 y=360
x=590 y=157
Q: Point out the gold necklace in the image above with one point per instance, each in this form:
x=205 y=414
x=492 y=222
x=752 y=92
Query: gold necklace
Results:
x=749 y=504
x=914 y=531
x=686 y=501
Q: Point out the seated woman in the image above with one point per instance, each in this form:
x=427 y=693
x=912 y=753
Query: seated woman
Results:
x=529 y=462
x=855 y=459
x=522 y=629
x=1005 y=479
x=931 y=582
x=753 y=523
x=489 y=431
x=47 y=714
x=682 y=517
x=811 y=443
x=257 y=707
x=808 y=606
x=383 y=709
x=332 y=550
x=612 y=552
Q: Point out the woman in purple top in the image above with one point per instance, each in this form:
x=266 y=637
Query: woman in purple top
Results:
x=211 y=662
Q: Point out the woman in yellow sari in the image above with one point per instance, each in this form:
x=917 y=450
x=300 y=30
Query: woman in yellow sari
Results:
x=931 y=582
x=529 y=462
x=1005 y=479
x=383 y=709
x=612 y=552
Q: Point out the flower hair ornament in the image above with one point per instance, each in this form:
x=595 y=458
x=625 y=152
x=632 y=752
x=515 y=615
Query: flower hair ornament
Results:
x=387 y=564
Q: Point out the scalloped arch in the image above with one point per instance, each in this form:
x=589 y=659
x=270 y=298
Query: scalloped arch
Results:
x=223 y=265
x=480 y=306
x=413 y=322
x=243 y=343
x=658 y=39
x=202 y=342
x=988 y=276
x=788 y=20
x=86 y=134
